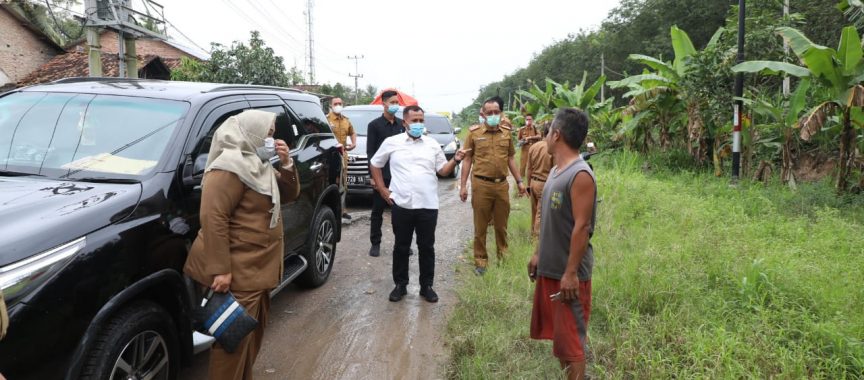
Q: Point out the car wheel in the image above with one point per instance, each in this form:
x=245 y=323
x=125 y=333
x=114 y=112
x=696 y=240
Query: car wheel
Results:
x=320 y=249
x=140 y=342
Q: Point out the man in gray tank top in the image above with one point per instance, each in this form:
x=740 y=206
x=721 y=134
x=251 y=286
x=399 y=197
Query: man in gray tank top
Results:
x=562 y=264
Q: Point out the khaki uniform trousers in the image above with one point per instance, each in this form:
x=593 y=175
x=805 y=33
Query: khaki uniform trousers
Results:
x=490 y=201
x=523 y=160
x=536 y=195
x=238 y=365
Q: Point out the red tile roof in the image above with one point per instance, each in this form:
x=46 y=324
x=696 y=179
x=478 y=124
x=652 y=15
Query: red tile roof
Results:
x=74 y=64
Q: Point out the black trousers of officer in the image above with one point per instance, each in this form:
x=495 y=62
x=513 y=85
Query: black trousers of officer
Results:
x=405 y=223
x=377 y=217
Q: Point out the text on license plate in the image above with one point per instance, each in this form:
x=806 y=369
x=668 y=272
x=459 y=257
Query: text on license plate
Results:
x=356 y=180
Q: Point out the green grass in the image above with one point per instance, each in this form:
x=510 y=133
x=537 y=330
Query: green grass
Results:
x=693 y=278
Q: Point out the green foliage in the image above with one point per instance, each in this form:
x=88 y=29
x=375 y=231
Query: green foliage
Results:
x=679 y=291
x=364 y=96
x=840 y=72
x=241 y=63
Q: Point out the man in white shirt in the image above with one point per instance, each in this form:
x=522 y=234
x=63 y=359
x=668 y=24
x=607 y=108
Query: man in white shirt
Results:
x=415 y=161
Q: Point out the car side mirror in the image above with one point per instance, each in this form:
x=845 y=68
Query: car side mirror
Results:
x=457 y=130
x=200 y=165
x=193 y=171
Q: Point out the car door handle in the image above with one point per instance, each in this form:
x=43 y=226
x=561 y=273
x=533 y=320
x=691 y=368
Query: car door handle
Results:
x=316 y=166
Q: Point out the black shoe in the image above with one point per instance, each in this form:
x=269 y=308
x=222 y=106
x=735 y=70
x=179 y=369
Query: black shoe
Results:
x=346 y=216
x=479 y=271
x=427 y=293
x=398 y=292
x=375 y=251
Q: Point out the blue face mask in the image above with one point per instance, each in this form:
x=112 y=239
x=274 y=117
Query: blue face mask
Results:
x=416 y=130
x=393 y=109
x=493 y=120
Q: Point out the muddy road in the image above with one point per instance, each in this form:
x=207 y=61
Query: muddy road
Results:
x=347 y=329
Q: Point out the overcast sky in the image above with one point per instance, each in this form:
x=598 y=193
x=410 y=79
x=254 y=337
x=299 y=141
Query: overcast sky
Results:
x=441 y=51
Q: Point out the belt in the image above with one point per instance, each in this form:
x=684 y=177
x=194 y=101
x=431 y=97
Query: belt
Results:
x=488 y=179
x=538 y=179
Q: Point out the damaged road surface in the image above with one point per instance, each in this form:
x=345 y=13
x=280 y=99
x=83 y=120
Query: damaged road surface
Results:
x=347 y=328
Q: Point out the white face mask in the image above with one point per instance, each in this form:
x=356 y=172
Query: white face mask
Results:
x=337 y=109
x=268 y=150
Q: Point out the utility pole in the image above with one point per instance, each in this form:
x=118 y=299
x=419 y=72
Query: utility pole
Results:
x=356 y=76
x=310 y=54
x=94 y=49
x=603 y=73
x=116 y=15
x=738 y=107
x=786 y=84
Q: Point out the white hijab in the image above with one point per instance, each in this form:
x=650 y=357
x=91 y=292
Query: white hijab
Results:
x=234 y=149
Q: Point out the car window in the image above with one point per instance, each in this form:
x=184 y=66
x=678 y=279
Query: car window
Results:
x=286 y=128
x=62 y=134
x=312 y=118
x=360 y=119
x=204 y=146
x=438 y=125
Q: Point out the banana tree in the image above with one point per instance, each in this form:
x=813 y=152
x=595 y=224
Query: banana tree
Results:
x=542 y=102
x=841 y=72
x=783 y=114
x=658 y=96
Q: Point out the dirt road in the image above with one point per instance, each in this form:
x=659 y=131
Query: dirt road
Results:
x=347 y=329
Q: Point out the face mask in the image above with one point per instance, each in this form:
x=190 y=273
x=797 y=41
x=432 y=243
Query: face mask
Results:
x=416 y=130
x=337 y=109
x=268 y=150
x=481 y=119
x=493 y=120
x=393 y=109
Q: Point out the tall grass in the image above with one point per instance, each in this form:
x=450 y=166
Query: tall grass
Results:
x=693 y=278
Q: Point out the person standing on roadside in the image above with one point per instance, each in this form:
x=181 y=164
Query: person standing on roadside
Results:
x=415 y=161
x=342 y=129
x=240 y=246
x=564 y=259
x=490 y=158
x=539 y=163
x=379 y=130
x=526 y=137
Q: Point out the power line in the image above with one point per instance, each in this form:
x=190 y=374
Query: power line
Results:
x=255 y=25
x=277 y=26
x=59 y=28
x=185 y=36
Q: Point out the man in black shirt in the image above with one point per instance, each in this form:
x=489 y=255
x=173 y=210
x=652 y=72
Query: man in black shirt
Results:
x=380 y=129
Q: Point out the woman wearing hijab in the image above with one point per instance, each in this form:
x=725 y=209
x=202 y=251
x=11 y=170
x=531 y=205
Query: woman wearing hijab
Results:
x=240 y=247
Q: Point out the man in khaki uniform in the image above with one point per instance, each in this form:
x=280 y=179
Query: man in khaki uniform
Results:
x=490 y=152
x=527 y=136
x=342 y=129
x=537 y=171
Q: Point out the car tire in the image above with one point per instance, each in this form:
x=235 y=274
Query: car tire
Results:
x=320 y=249
x=116 y=353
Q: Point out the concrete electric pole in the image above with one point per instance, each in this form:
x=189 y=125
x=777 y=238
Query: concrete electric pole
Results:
x=356 y=76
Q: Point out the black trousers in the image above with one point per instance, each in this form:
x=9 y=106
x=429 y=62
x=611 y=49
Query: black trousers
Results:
x=405 y=223
x=377 y=218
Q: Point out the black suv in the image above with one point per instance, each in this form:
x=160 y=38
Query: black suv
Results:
x=99 y=202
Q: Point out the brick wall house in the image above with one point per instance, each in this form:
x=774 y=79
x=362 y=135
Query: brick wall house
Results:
x=164 y=49
x=23 y=48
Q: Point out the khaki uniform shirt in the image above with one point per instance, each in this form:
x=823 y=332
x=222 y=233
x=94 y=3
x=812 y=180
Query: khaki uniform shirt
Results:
x=491 y=150
x=341 y=126
x=539 y=162
x=235 y=236
x=524 y=133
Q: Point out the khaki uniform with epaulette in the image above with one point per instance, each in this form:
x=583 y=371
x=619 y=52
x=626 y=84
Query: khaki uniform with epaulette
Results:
x=490 y=151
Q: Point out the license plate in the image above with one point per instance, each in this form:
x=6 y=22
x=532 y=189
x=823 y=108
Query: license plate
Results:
x=356 y=180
